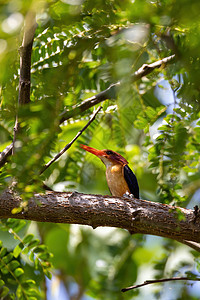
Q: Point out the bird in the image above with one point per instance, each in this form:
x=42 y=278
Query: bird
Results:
x=120 y=178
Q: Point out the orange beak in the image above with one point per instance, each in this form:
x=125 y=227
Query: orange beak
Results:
x=93 y=150
x=114 y=156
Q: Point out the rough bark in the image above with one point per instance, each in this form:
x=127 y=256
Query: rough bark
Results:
x=25 y=52
x=25 y=59
x=137 y=216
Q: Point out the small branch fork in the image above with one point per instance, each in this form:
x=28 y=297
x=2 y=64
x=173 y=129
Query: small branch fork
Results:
x=147 y=282
x=70 y=144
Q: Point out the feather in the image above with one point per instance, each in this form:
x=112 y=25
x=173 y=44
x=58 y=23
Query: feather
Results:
x=131 y=181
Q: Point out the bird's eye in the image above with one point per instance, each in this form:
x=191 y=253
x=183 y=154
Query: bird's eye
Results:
x=109 y=152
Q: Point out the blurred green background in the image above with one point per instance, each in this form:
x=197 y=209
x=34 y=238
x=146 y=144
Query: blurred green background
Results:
x=81 y=48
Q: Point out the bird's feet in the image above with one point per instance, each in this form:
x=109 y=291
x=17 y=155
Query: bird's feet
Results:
x=128 y=195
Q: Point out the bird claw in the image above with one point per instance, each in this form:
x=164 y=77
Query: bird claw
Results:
x=128 y=195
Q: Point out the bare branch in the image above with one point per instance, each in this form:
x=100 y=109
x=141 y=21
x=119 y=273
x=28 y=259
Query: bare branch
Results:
x=110 y=92
x=74 y=139
x=25 y=51
x=159 y=281
x=5 y=154
x=148 y=68
x=135 y=215
x=191 y=244
x=25 y=58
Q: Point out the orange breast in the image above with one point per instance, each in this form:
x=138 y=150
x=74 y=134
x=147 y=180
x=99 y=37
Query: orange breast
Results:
x=115 y=179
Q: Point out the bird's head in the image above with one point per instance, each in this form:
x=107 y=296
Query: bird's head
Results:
x=108 y=157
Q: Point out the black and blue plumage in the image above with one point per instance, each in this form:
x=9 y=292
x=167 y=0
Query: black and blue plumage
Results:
x=131 y=181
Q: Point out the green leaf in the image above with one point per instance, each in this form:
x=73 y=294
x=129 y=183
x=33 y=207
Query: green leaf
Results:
x=44 y=256
x=18 y=250
x=40 y=249
x=28 y=284
x=33 y=243
x=48 y=274
x=2 y=283
x=4 y=270
x=141 y=123
x=25 y=250
x=13 y=265
x=6 y=259
x=3 y=292
x=37 y=263
x=150 y=113
x=31 y=256
x=19 y=292
x=18 y=272
x=16 y=210
x=32 y=292
x=28 y=238
x=3 y=251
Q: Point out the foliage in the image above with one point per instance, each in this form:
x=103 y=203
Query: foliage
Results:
x=81 y=48
x=14 y=264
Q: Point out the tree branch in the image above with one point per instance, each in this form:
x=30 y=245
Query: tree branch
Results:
x=25 y=52
x=4 y=154
x=71 y=143
x=110 y=92
x=135 y=215
x=25 y=58
x=191 y=244
x=158 y=281
x=148 y=68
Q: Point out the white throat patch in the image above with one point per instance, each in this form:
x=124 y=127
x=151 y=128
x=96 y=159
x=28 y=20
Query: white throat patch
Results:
x=106 y=161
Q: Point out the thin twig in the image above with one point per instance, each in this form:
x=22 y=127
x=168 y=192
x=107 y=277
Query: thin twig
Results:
x=70 y=144
x=158 y=281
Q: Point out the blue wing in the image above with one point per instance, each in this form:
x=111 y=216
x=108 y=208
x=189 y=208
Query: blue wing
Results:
x=131 y=181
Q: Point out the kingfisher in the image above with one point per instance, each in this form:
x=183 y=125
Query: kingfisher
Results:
x=120 y=178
